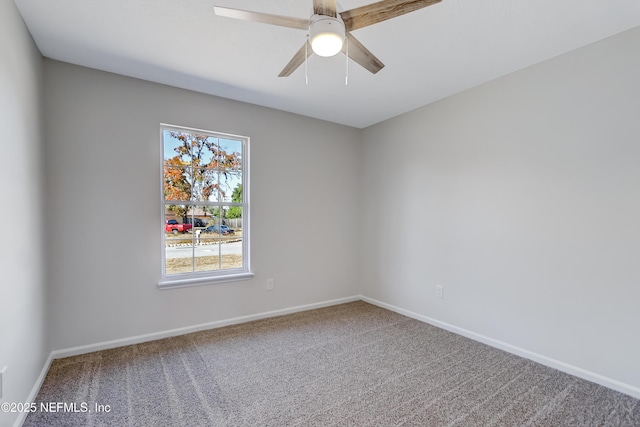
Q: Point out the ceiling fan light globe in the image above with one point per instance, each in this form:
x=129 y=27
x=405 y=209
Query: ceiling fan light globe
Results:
x=326 y=35
x=327 y=44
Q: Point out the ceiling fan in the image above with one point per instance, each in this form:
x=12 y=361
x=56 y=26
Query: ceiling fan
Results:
x=328 y=29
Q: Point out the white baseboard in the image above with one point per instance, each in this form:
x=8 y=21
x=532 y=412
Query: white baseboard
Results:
x=74 y=351
x=35 y=390
x=543 y=360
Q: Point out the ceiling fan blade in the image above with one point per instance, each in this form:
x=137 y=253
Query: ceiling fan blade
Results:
x=265 y=18
x=381 y=11
x=325 y=7
x=361 y=55
x=297 y=60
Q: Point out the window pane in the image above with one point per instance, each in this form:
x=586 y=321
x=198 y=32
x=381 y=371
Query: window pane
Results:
x=207 y=153
x=231 y=155
x=177 y=183
x=230 y=183
x=208 y=247
x=232 y=255
x=230 y=168
x=206 y=185
x=178 y=239
x=178 y=256
x=207 y=254
x=231 y=186
x=202 y=217
x=215 y=187
x=203 y=148
x=174 y=216
x=176 y=148
x=198 y=217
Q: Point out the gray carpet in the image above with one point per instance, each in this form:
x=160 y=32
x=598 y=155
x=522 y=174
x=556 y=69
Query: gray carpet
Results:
x=348 y=365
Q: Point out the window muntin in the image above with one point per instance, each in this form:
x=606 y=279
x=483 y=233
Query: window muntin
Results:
x=205 y=190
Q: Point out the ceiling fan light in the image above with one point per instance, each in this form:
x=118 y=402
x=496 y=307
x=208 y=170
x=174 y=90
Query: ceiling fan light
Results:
x=327 y=44
x=326 y=35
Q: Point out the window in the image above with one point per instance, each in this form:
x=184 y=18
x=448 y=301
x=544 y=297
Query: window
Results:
x=205 y=207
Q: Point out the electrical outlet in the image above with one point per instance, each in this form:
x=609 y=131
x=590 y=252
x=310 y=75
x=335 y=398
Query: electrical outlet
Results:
x=439 y=291
x=2 y=372
x=270 y=285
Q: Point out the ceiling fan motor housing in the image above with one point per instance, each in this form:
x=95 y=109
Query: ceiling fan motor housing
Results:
x=326 y=35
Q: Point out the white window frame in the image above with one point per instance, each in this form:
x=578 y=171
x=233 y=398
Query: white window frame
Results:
x=217 y=276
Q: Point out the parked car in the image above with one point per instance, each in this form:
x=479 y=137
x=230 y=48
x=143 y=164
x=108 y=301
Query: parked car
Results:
x=196 y=222
x=172 y=226
x=221 y=229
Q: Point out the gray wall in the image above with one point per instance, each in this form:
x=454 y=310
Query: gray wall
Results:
x=23 y=343
x=103 y=209
x=521 y=198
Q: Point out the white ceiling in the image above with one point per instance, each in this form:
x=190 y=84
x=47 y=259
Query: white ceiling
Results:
x=429 y=54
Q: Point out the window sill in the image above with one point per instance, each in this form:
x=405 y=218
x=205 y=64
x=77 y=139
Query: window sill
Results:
x=201 y=281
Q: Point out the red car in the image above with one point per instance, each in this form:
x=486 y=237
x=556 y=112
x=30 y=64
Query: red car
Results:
x=172 y=226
